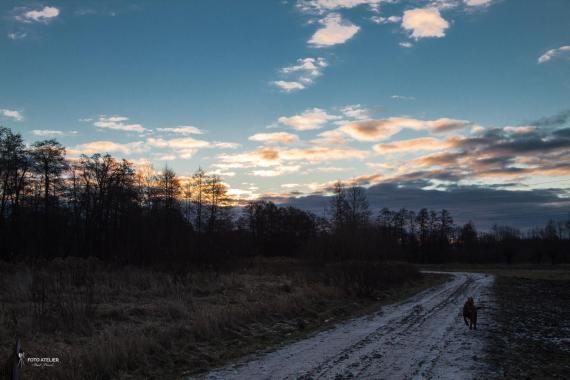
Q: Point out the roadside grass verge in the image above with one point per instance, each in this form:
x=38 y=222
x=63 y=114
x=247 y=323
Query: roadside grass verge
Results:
x=104 y=322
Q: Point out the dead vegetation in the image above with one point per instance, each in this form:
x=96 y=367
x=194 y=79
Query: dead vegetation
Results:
x=131 y=323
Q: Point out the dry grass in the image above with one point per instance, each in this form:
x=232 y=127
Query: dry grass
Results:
x=134 y=323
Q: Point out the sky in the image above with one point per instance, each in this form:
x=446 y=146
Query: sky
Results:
x=282 y=98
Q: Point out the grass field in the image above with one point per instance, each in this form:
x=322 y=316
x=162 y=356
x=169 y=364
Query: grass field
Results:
x=133 y=323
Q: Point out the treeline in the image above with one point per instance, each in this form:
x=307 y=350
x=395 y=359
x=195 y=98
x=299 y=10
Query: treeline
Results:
x=105 y=207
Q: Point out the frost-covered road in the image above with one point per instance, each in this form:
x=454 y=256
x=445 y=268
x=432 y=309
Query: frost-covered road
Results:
x=422 y=337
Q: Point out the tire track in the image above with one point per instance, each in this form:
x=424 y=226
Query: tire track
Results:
x=422 y=337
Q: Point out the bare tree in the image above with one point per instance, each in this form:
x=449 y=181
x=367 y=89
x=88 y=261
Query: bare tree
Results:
x=339 y=206
x=48 y=160
x=358 y=208
x=198 y=185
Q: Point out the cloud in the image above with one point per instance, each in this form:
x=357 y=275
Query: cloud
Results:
x=553 y=53
x=322 y=6
x=271 y=157
x=333 y=137
x=302 y=74
x=402 y=97
x=334 y=31
x=412 y=145
x=310 y=67
x=522 y=209
x=477 y=3
x=406 y=44
x=313 y=118
x=380 y=129
x=49 y=132
x=182 y=130
x=17 y=35
x=277 y=137
x=355 y=111
x=178 y=143
x=385 y=20
x=444 y=125
x=12 y=114
x=284 y=169
x=118 y=123
x=424 y=23
x=520 y=130
x=552 y=121
x=44 y=15
x=111 y=147
x=186 y=147
x=289 y=86
x=506 y=152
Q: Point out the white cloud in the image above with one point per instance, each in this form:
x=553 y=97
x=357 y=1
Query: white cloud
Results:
x=186 y=147
x=553 y=53
x=333 y=137
x=118 y=123
x=289 y=86
x=314 y=118
x=277 y=137
x=277 y=171
x=406 y=44
x=355 y=111
x=477 y=3
x=182 y=130
x=322 y=6
x=178 y=143
x=302 y=74
x=402 y=97
x=385 y=20
x=12 y=114
x=290 y=185
x=308 y=66
x=334 y=31
x=424 y=22
x=17 y=35
x=50 y=132
x=43 y=15
x=111 y=147
x=520 y=130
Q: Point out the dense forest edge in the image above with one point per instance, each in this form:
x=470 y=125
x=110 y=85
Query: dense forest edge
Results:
x=100 y=206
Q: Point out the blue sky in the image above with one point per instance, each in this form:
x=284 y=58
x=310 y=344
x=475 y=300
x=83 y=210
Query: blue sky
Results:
x=284 y=97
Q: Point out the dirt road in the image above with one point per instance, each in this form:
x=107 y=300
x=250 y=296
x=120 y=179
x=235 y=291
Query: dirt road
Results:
x=423 y=337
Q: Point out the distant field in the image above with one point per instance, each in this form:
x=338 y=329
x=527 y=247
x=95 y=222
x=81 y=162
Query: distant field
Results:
x=531 y=336
x=529 y=271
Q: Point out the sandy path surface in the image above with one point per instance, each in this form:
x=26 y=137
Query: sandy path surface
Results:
x=423 y=337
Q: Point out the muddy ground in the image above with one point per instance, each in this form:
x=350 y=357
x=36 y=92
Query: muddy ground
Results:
x=530 y=338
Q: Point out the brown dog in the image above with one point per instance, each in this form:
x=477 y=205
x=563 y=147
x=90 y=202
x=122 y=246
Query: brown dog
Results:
x=470 y=312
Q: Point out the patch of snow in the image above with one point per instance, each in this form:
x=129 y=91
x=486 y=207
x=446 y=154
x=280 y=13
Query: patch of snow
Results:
x=422 y=337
